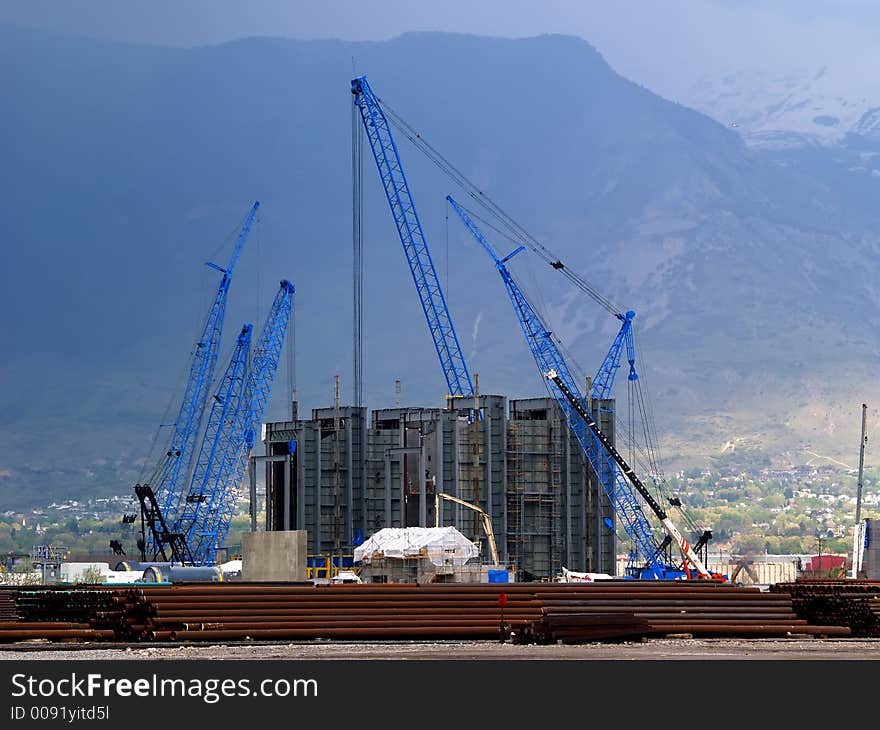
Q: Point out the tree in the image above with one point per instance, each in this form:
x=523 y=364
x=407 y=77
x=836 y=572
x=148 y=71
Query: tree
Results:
x=752 y=544
x=92 y=575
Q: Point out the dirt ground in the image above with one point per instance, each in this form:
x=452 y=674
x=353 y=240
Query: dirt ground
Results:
x=651 y=649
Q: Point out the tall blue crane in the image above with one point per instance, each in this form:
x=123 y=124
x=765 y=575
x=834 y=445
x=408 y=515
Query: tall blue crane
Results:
x=409 y=228
x=603 y=383
x=215 y=457
x=177 y=461
x=210 y=530
x=688 y=552
x=625 y=503
x=604 y=379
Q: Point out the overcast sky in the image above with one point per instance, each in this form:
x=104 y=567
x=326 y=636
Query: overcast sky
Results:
x=665 y=45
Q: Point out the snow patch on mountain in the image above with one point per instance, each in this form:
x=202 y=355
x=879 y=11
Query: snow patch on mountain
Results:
x=817 y=107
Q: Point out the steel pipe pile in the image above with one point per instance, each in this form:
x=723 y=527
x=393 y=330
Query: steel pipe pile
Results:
x=661 y=609
x=528 y=612
x=854 y=603
x=564 y=611
x=365 y=611
x=7 y=604
x=62 y=613
x=580 y=628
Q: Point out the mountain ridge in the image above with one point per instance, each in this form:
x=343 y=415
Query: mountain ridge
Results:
x=133 y=166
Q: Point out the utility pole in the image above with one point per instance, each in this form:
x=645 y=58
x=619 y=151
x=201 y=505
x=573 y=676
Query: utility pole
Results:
x=858 y=540
x=357 y=237
x=476 y=462
x=862 y=443
x=336 y=424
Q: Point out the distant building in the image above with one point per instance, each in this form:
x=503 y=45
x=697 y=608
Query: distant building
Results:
x=343 y=476
x=829 y=562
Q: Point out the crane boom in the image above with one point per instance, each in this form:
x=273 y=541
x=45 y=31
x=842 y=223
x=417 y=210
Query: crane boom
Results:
x=603 y=383
x=626 y=503
x=211 y=531
x=484 y=516
x=409 y=229
x=686 y=550
x=179 y=456
x=214 y=459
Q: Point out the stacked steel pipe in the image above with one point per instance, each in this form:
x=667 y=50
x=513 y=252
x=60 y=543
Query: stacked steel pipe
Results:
x=7 y=604
x=850 y=602
x=525 y=612
x=699 y=609
x=55 y=614
x=398 y=611
x=572 y=628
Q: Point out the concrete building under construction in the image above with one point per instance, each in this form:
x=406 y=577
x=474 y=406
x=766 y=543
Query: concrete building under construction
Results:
x=344 y=474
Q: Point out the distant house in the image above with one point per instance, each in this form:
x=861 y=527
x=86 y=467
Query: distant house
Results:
x=825 y=562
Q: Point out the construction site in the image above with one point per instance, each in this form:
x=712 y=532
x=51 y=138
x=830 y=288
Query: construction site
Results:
x=484 y=519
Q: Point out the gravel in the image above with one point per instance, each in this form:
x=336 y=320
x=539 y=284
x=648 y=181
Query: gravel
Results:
x=666 y=648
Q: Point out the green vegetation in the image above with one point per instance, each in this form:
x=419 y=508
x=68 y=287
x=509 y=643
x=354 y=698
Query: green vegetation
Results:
x=750 y=511
x=777 y=511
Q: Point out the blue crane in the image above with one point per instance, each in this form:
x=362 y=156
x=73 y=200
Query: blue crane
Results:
x=215 y=457
x=625 y=502
x=603 y=383
x=177 y=461
x=409 y=228
x=381 y=135
x=209 y=532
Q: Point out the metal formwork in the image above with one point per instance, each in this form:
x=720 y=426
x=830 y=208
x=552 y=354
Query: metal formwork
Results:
x=320 y=487
x=557 y=510
x=517 y=461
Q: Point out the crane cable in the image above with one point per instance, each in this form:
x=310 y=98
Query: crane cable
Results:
x=515 y=230
x=535 y=300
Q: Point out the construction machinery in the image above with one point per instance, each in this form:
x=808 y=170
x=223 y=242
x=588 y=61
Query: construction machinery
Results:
x=158 y=542
x=598 y=450
x=409 y=229
x=208 y=533
x=380 y=114
x=690 y=556
x=484 y=516
x=236 y=414
x=461 y=389
x=217 y=454
x=163 y=491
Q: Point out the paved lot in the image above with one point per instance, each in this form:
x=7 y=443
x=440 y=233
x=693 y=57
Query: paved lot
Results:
x=666 y=649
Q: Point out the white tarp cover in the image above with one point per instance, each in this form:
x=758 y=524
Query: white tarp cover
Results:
x=443 y=545
x=571 y=576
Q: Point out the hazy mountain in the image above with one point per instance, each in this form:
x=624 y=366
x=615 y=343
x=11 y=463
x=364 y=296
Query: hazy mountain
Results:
x=822 y=120
x=128 y=167
x=819 y=105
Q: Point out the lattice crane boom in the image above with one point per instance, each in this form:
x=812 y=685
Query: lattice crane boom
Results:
x=603 y=383
x=178 y=459
x=625 y=503
x=216 y=459
x=409 y=229
x=210 y=532
x=684 y=546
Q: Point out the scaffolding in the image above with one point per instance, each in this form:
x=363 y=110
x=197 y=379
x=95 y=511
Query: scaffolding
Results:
x=347 y=478
x=535 y=490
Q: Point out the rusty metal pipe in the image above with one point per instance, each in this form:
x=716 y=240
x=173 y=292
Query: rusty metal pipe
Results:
x=346 y=633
